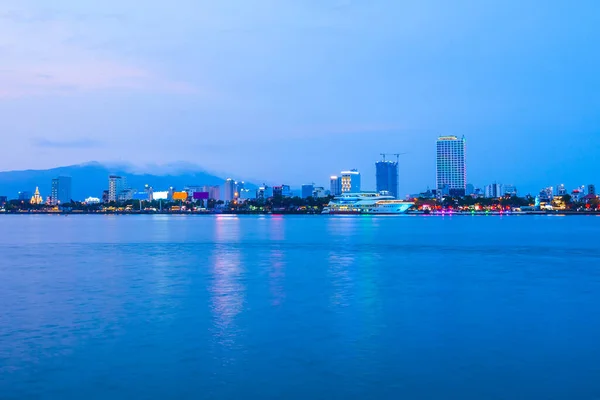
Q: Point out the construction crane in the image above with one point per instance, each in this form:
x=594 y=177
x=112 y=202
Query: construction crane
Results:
x=395 y=154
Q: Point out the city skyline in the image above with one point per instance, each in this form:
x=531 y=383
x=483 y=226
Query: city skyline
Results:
x=311 y=78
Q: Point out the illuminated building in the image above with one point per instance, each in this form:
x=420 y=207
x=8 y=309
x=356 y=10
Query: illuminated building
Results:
x=36 y=198
x=282 y=191
x=307 y=190
x=351 y=181
x=386 y=177
x=116 y=184
x=451 y=170
x=510 y=190
x=230 y=186
x=214 y=192
x=561 y=190
x=92 y=200
x=61 y=190
x=335 y=185
x=264 y=192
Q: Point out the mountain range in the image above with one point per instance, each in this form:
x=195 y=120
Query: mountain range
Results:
x=91 y=179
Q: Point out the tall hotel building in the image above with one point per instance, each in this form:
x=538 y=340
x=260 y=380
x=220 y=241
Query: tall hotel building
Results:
x=386 y=177
x=451 y=170
x=351 y=181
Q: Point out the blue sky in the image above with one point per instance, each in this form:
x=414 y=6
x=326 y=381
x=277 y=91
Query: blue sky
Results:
x=294 y=91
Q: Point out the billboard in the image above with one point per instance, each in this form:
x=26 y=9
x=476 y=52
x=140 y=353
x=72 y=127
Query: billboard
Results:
x=200 y=196
x=160 y=195
x=180 y=196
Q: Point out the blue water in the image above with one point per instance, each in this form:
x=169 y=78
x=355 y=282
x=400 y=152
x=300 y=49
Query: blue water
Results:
x=225 y=307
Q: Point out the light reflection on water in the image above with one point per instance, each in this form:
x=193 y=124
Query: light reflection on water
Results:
x=227 y=281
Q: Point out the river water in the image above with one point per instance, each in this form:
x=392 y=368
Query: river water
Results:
x=299 y=307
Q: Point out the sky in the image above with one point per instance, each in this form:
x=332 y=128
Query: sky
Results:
x=295 y=91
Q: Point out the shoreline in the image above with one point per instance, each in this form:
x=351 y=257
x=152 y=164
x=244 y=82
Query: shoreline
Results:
x=409 y=214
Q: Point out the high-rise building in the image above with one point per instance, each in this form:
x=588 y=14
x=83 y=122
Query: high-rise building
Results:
x=494 y=190
x=451 y=170
x=264 y=192
x=282 y=191
x=591 y=189
x=239 y=188
x=386 y=177
x=351 y=181
x=214 y=192
x=335 y=185
x=61 y=190
x=230 y=186
x=510 y=190
x=307 y=190
x=561 y=190
x=116 y=184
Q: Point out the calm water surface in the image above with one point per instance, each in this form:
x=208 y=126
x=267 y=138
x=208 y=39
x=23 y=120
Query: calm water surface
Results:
x=225 y=307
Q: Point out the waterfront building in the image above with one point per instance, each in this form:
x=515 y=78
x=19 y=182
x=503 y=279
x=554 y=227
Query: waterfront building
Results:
x=37 y=197
x=61 y=190
x=386 y=177
x=494 y=190
x=264 y=192
x=92 y=200
x=546 y=195
x=561 y=190
x=592 y=190
x=282 y=191
x=319 y=192
x=214 y=192
x=230 y=187
x=335 y=185
x=469 y=189
x=307 y=190
x=510 y=190
x=239 y=187
x=351 y=181
x=126 y=195
x=451 y=170
x=116 y=184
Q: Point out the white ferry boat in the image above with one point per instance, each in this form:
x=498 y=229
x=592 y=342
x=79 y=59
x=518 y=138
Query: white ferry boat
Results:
x=366 y=203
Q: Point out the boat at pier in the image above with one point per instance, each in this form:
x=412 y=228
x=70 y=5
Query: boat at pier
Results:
x=367 y=203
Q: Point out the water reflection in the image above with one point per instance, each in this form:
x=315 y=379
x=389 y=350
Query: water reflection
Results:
x=276 y=261
x=227 y=289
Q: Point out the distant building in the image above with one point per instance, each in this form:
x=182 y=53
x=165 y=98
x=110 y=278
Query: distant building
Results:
x=239 y=187
x=214 y=192
x=230 y=187
x=451 y=169
x=24 y=196
x=319 y=192
x=61 y=190
x=105 y=196
x=36 y=198
x=307 y=190
x=335 y=185
x=264 y=192
x=546 y=195
x=351 y=181
x=386 y=177
x=470 y=189
x=494 y=190
x=282 y=191
x=592 y=190
x=3 y=201
x=116 y=184
x=92 y=200
x=561 y=190
x=510 y=190
x=126 y=195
